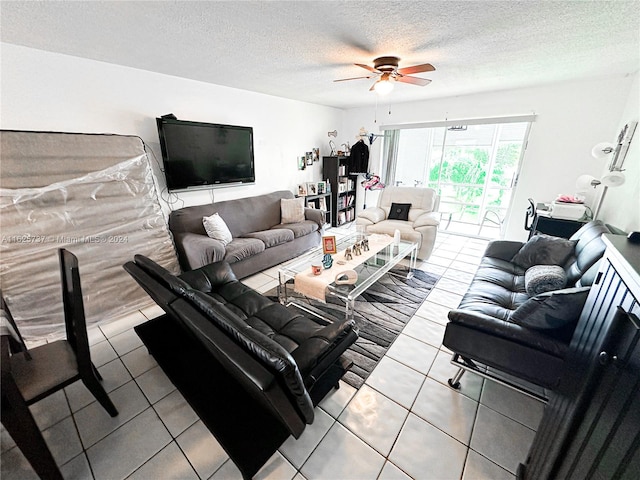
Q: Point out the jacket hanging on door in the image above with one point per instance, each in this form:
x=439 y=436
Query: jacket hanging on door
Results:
x=359 y=158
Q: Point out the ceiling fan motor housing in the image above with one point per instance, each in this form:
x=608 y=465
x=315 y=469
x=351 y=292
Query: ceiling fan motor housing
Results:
x=386 y=64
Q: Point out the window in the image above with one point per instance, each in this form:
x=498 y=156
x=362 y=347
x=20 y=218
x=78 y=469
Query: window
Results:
x=473 y=167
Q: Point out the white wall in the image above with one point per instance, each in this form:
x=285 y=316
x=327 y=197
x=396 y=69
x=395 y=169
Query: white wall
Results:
x=621 y=205
x=570 y=119
x=53 y=92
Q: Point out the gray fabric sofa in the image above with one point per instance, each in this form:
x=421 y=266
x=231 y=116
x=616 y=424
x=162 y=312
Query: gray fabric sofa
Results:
x=259 y=240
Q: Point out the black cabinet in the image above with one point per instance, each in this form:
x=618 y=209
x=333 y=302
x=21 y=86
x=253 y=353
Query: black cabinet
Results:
x=343 y=189
x=591 y=425
x=558 y=227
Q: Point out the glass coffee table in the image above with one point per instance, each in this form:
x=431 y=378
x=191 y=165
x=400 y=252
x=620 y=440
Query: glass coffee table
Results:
x=369 y=271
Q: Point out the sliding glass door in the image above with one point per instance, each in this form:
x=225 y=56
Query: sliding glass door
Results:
x=473 y=167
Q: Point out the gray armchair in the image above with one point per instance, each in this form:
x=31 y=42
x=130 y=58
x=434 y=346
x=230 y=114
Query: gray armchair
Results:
x=422 y=221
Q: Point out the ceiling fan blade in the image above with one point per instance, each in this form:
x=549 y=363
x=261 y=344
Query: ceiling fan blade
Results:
x=426 y=67
x=373 y=87
x=413 y=80
x=367 y=67
x=352 y=78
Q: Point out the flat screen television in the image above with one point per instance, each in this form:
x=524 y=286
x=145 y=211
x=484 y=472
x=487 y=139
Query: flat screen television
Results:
x=200 y=155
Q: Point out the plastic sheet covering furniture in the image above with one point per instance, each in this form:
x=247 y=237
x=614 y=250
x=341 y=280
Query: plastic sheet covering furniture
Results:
x=92 y=194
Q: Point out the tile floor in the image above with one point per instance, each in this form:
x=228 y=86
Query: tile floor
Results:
x=405 y=422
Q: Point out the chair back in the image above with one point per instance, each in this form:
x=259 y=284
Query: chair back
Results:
x=422 y=200
x=74 y=317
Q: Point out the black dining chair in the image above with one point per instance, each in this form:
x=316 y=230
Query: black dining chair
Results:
x=31 y=375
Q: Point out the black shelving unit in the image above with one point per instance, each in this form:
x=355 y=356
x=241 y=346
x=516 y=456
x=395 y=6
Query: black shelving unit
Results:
x=316 y=201
x=343 y=189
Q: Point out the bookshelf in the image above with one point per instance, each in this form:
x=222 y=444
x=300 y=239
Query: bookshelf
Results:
x=321 y=202
x=343 y=189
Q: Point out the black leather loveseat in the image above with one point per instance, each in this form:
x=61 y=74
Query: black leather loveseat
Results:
x=277 y=360
x=491 y=326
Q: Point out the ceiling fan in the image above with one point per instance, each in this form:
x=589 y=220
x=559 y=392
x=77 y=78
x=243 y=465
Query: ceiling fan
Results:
x=386 y=68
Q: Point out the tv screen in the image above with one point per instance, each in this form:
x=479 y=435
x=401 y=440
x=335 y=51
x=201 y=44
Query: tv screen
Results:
x=204 y=155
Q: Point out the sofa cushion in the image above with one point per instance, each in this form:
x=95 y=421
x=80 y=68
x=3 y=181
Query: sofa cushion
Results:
x=544 y=278
x=544 y=250
x=399 y=211
x=292 y=210
x=299 y=229
x=216 y=228
x=551 y=310
x=273 y=237
x=241 y=248
x=388 y=227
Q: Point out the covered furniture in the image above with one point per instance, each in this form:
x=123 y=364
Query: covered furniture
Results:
x=31 y=375
x=414 y=213
x=259 y=239
x=501 y=326
x=268 y=359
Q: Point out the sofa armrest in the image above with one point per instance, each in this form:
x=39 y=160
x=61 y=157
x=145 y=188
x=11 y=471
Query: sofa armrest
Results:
x=431 y=219
x=328 y=343
x=314 y=215
x=503 y=249
x=198 y=250
x=371 y=215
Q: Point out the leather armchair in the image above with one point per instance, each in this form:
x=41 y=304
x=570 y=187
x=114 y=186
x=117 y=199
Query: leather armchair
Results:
x=423 y=221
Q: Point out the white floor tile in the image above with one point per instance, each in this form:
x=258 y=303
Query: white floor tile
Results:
x=412 y=353
x=342 y=455
x=425 y=330
x=397 y=381
x=515 y=405
x=374 y=418
x=152 y=311
x=155 y=384
x=202 y=450
x=125 y=342
x=123 y=324
x=424 y=452
x=463 y=266
x=5 y=439
x=257 y=280
x=63 y=441
x=446 y=409
x=50 y=410
x=102 y=353
x=461 y=276
x=500 y=439
x=442 y=370
x=481 y=468
x=114 y=375
x=444 y=298
x=14 y=466
x=453 y=286
x=176 y=414
x=434 y=312
x=298 y=450
x=129 y=447
x=77 y=469
x=276 y=468
x=168 y=464
x=139 y=361
x=94 y=423
x=336 y=400
x=391 y=472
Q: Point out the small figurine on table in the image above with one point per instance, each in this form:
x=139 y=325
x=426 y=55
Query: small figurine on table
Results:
x=347 y=254
x=365 y=244
x=356 y=249
x=327 y=261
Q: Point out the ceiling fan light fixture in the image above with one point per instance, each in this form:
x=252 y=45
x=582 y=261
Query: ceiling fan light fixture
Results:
x=383 y=86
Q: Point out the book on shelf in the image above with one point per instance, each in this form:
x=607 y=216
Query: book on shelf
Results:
x=342 y=170
x=342 y=218
x=322 y=204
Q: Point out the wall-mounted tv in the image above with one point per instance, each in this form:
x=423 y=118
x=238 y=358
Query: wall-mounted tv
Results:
x=200 y=155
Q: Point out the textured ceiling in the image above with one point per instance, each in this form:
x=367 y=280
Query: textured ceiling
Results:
x=296 y=49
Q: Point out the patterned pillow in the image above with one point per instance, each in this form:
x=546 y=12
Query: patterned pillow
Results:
x=544 y=278
x=216 y=228
x=551 y=310
x=292 y=210
x=544 y=250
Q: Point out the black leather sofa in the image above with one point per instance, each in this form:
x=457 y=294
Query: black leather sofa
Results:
x=279 y=361
x=484 y=337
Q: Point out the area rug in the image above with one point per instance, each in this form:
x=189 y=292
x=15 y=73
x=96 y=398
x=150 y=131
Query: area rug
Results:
x=380 y=313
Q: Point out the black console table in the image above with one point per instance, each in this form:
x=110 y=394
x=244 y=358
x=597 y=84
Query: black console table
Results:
x=590 y=425
x=558 y=227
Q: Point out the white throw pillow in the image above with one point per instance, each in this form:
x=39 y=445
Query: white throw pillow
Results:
x=216 y=228
x=292 y=210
